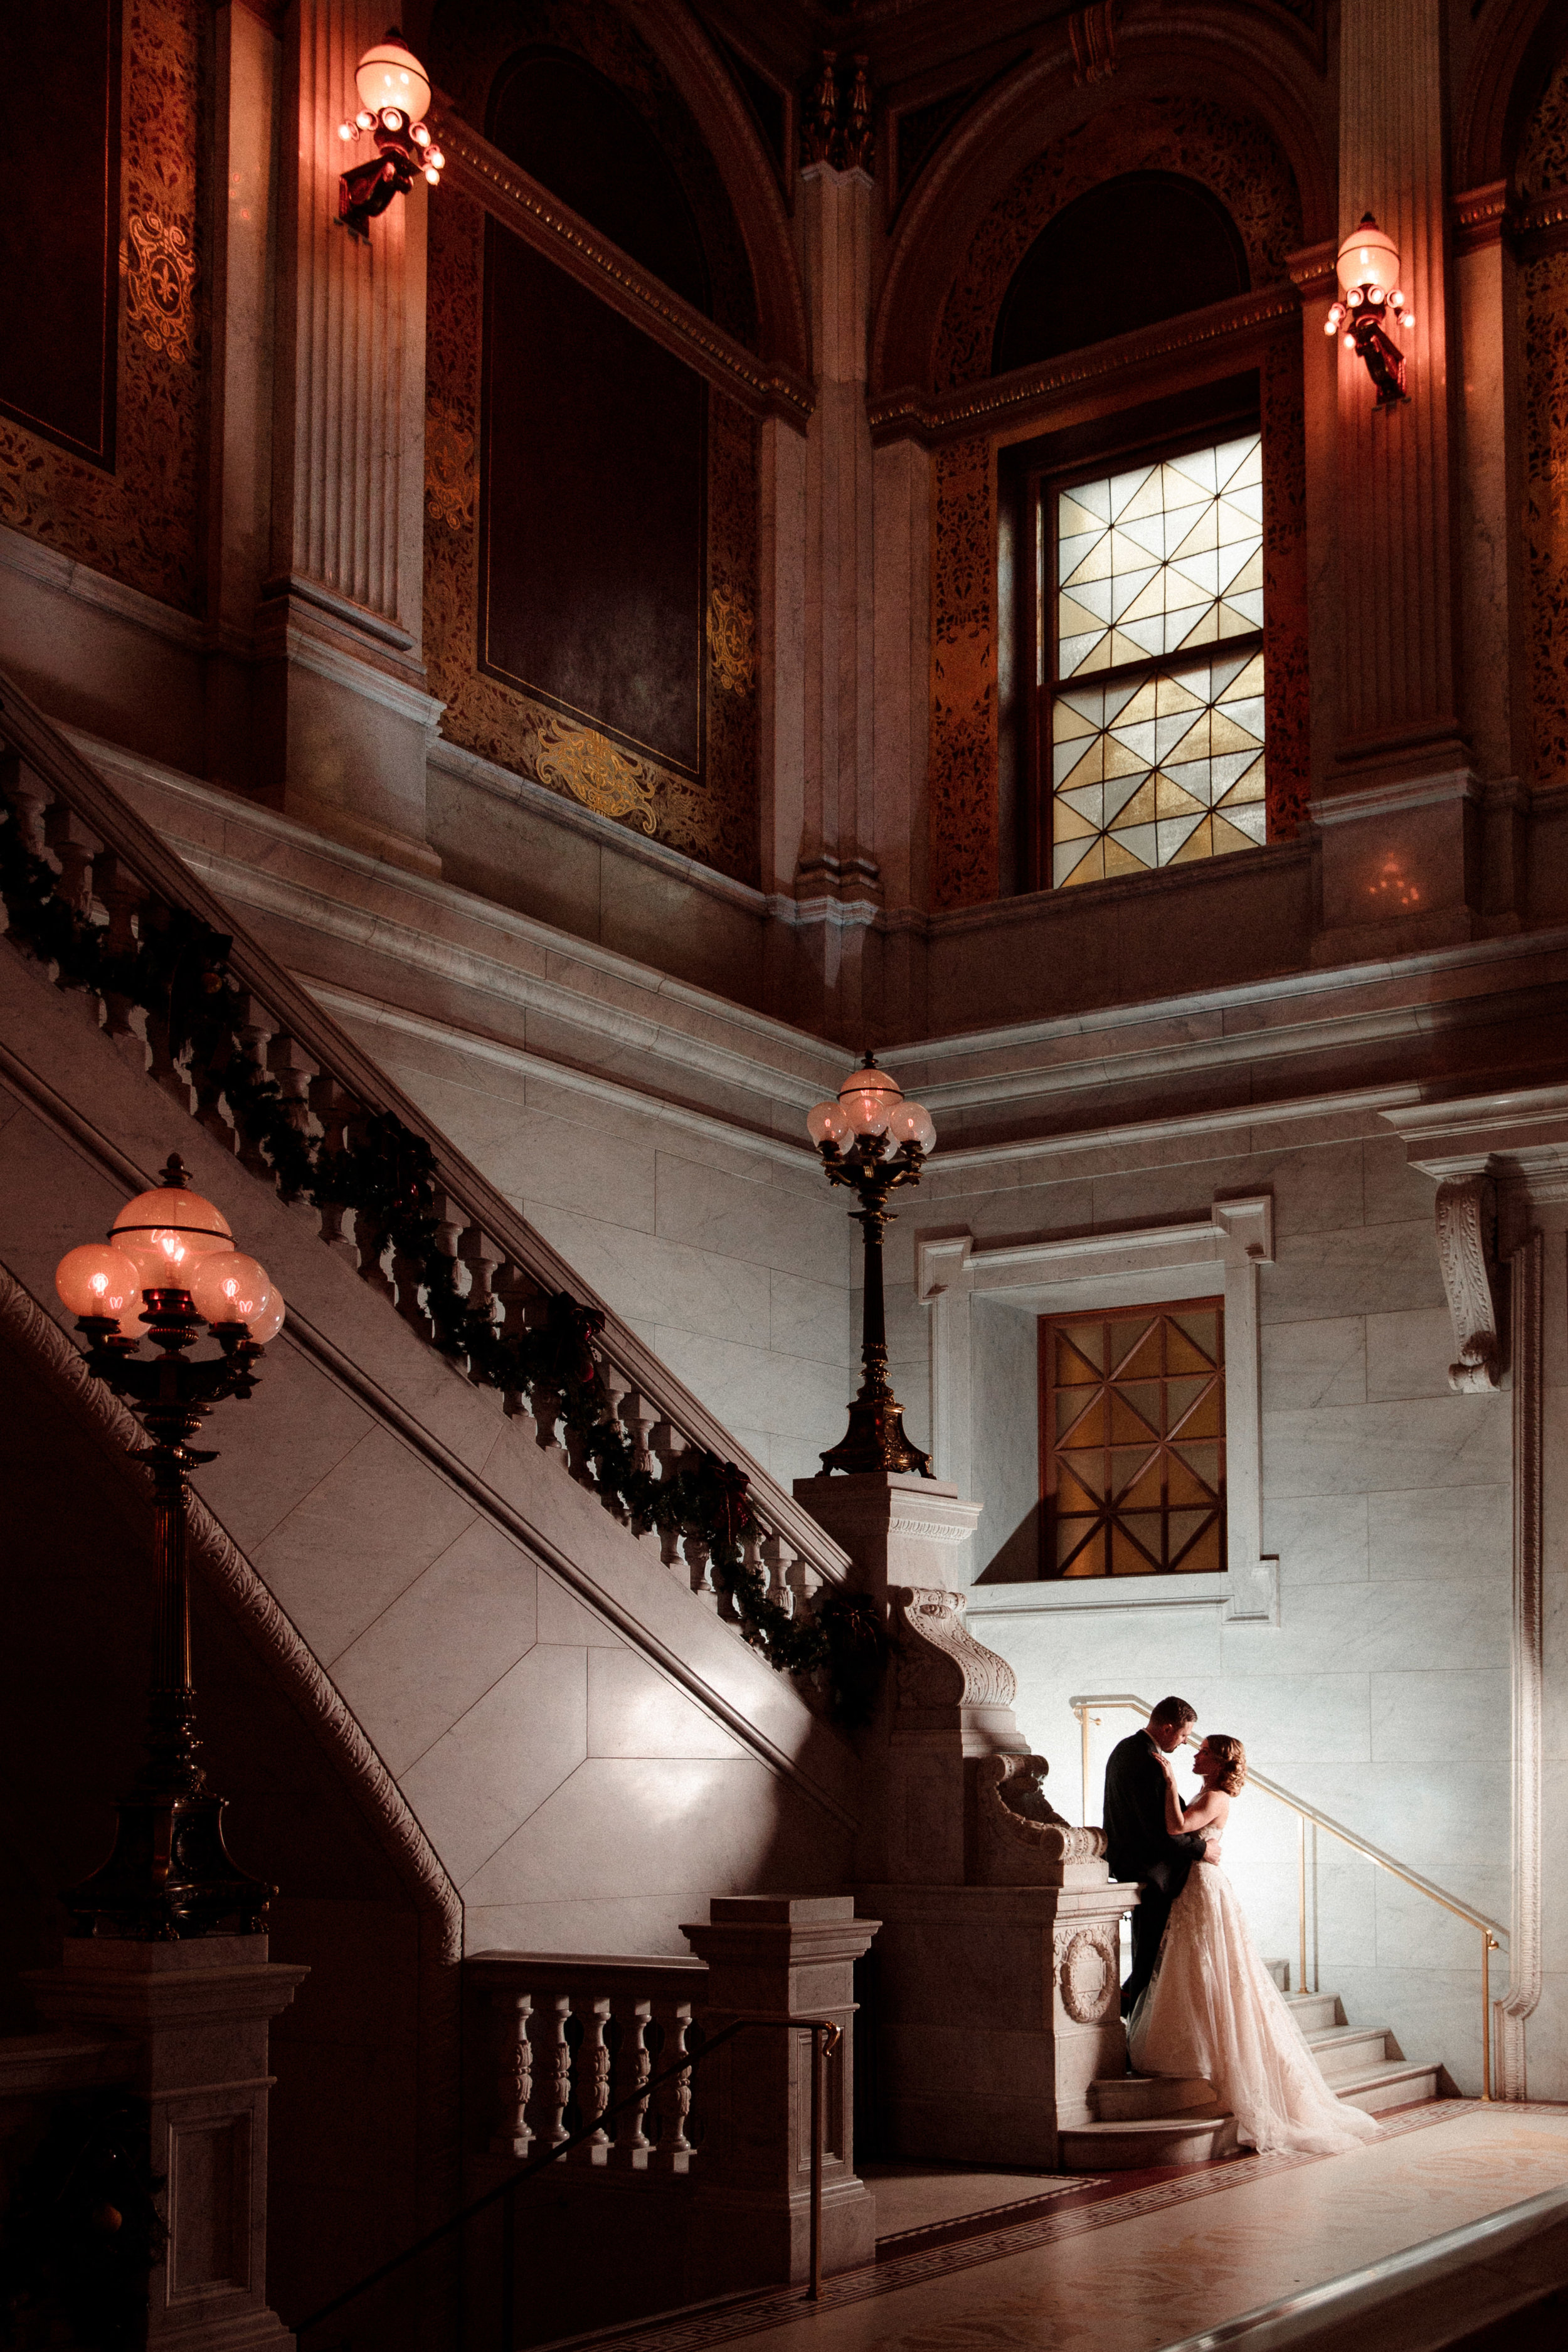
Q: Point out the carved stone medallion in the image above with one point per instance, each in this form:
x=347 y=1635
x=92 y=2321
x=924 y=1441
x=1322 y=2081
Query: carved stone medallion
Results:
x=1089 y=1978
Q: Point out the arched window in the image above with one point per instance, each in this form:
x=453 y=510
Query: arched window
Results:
x=1136 y=249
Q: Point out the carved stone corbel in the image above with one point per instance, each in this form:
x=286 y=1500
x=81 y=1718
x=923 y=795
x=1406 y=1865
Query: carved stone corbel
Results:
x=1020 y=1839
x=943 y=1671
x=1467 y=1230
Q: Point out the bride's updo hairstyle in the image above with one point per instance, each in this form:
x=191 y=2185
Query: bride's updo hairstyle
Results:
x=1233 y=1755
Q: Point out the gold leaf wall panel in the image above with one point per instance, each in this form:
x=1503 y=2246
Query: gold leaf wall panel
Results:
x=140 y=523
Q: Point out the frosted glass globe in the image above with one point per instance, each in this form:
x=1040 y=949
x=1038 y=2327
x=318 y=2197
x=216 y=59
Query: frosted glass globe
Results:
x=269 y=1322
x=226 y=1286
x=868 y=1097
x=165 y=1231
x=99 y=1280
x=389 y=74
x=912 y=1123
x=827 y=1123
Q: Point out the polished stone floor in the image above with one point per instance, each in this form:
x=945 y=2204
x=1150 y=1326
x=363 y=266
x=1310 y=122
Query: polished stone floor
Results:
x=1132 y=2269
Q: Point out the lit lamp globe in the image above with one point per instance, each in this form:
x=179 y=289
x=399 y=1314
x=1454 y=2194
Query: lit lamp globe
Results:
x=390 y=75
x=165 y=1231
x=99 y=1281
x=1369 y=261
x=228 y=1287
x=868 y=1099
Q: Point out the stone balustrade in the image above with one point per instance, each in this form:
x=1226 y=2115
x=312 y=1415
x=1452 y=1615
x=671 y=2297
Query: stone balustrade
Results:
x=114 y=871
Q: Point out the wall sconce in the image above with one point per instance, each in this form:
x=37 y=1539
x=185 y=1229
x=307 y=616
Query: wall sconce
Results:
x=394 y=92
x=1369 y=275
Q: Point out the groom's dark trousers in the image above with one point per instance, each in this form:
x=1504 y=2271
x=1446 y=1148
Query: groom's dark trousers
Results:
x=1139 y=1846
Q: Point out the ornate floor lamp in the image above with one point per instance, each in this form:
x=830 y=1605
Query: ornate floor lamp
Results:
x=873 y=1140
x=170 y=1875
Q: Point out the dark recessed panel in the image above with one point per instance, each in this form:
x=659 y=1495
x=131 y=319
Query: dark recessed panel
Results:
x=1145 y=246
x=592 y=547
x=59 y=223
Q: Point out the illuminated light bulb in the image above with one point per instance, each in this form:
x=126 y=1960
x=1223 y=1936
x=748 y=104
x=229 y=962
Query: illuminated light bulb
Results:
x=268 y=1323
x=420 y=134
x=165 y=1231
x=436 y=158
x=1374 y=293
x=1353 y=297
x=1350 y=341
x=869 y=1097
x=912 y=1123
x=99 y=1280
x=1407 y=319
x=229 y=1287
x=827 y=1123
x=365 y=120
x=1397 y=299
x=433 y=175
x=345 y=130
x=1331 y=326
x=389 y=74
x=390 y=118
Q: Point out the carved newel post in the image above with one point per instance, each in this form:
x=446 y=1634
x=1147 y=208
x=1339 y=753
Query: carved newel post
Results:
x=996 y=1967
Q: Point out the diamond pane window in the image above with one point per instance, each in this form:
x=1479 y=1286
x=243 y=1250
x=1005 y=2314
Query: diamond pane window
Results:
x=1133 y=1441
x=1154 y=728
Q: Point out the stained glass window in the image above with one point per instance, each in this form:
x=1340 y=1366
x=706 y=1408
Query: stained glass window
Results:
x=1155 y=732
x=1133 y=1407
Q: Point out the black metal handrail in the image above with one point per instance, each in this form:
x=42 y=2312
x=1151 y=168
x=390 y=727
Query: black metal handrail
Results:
x=825 y=2037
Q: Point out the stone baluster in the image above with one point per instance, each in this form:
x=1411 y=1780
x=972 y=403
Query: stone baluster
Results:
x=482 y=1258
x=163 y=1066
x=699 y=1570
x=546 y=1404
x=294 y=1071
x=515 y=1289
x=254 y=1029
x=637 y=1418
x=334 y=1106
x=370 y=1230
x=512 y=2137
x=593 y=2079
x=557 y=2069
x=775 y=1562
x=675 y=2150
x=805 y=1583
x=74 y=846
x=668 y=1445
x=29 y=797
x=122 y=893
x=633 y=2146
x=732 y=1604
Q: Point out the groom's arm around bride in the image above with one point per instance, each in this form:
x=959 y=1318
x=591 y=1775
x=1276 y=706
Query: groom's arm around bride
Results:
x=1138 y=1844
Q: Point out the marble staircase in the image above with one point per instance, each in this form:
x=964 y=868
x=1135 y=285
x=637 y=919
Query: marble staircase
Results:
x=1145 y=2120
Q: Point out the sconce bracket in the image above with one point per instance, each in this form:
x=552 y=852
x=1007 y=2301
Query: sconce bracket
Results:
x=1380 y=355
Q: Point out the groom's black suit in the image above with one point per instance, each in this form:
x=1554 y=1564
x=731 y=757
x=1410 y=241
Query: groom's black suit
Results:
x=1139 y=1846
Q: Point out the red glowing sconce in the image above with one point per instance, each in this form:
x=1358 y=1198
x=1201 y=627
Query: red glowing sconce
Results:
x=394 y=94
x=1371 y=304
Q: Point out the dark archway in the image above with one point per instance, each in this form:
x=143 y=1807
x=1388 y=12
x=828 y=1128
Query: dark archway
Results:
x=1139 y=249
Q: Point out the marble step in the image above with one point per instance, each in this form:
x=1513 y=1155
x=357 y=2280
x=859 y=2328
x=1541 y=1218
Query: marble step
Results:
x=1396 y=2082
x=1350 y=2050
x=1312 y=2011
x=1135 y=2098
x=1134 y=2144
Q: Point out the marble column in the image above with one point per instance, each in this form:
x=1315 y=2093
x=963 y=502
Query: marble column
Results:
x=345 y=718
x=837 y=882
x=1400 y=811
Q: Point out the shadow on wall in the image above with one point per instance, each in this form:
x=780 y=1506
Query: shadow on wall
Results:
x=74 y=1646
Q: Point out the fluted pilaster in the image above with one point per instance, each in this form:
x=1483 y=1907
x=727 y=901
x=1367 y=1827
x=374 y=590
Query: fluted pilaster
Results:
x=1394 y=502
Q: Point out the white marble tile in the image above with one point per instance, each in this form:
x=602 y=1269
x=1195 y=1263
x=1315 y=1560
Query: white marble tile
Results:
x=640 y=1924
x=527 y=1155
x=1392 y=1192
x=563 y=1619
x=717 y=1213
x=811 y=1318
x=1318 y=1363
x=1448 y=1717
x=501 y=1761
x=1287 y=1719
x=308 y=1425
x=1384 y=1626
x=633 y=1711
x=652 y=1280
x=441 y=1644
x=787 y=1395
x=1318 y=1538
x=1448 y=1821
x=1409 y=1354
x=1411 y=1445
x=1463 y=1533
x=1433 y=2013
x=1415 y=1933
x=379 y=1517
x=1360 y=1270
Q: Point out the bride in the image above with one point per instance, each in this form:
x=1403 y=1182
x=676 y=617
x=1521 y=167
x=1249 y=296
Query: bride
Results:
x=1213 y=2010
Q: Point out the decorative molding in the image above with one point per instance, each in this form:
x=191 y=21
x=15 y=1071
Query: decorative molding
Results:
x=1479 y=216
x=1315 y=270
x=521 y=204
x=1064 y=1273
x=1020 y=1839
x=1467 y=1229
x=287 y=1657
x=940 y=1666
x=1526 y=1279
x=1088 y=1974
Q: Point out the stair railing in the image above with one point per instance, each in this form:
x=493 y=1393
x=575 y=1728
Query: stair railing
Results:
x=1493 y=1935
x=115 y=871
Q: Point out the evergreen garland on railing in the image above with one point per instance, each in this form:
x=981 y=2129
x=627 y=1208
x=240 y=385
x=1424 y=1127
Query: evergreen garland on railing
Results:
x=177 y=975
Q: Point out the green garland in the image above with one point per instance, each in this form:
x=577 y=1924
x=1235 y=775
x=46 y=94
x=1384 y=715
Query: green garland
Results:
x=178 y=975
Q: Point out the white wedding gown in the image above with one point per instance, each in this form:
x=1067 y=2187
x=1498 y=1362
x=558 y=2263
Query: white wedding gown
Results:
x=1212 y=2009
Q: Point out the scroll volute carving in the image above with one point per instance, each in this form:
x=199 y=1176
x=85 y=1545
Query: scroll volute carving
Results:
x=941 y=1668
x=1467 y=1229
x=1020 y=1839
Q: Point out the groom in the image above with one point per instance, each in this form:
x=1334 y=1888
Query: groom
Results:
x=1137 y=1844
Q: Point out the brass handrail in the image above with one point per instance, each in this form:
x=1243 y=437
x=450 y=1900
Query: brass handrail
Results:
x=1493 y=1934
